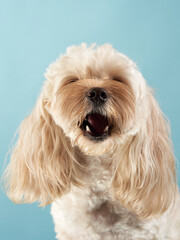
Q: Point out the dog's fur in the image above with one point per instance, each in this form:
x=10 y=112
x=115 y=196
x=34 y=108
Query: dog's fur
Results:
x=120 y=187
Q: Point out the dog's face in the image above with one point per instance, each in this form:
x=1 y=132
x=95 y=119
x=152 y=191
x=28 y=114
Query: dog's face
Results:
x=94 y=97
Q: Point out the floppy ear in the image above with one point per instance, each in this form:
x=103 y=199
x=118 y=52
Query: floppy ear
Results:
x=40 y=168
x=144 y=179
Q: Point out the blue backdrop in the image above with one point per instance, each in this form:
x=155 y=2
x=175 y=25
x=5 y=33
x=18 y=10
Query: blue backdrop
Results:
x=33 y=34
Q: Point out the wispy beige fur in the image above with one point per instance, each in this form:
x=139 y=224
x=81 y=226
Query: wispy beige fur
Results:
x=50 y=157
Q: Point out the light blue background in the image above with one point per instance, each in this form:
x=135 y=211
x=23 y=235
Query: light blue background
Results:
x=32 y=35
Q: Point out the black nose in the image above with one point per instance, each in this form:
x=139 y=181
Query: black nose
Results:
x=97 y=95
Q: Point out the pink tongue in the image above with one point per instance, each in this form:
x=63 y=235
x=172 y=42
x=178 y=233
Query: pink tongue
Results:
x=97 y=122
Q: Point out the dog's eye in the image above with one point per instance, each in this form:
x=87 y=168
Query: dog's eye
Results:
x=117 y=79
x=71 y=81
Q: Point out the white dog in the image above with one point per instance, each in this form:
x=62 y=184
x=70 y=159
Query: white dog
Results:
x=96 y=145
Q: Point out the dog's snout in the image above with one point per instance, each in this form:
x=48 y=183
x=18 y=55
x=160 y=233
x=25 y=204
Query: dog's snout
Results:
x=97 y=95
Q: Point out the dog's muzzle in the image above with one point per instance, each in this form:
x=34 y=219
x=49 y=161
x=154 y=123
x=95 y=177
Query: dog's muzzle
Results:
x=96 y=127
x=97 y=96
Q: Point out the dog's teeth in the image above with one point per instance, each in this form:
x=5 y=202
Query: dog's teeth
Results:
x=87 y=129
x=106 y=129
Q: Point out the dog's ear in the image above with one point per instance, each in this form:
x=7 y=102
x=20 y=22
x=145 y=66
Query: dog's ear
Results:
x=40 y=168
x=144 y=179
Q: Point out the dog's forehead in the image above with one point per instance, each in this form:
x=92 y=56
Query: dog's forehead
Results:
x=82 y=61
x=104 y=61
x=100 y=55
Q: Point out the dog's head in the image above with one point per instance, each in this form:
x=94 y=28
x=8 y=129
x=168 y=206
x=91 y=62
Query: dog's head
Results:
x=96 y=97
x=95 y=100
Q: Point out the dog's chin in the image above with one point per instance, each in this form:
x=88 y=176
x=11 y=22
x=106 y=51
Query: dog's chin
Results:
x=93 y=147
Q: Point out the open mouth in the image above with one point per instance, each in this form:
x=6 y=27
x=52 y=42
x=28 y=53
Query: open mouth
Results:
x=96 y=126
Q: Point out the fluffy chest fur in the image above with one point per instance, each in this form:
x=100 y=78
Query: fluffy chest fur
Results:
x=92 y=213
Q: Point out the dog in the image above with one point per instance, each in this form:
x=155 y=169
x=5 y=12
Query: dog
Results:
x=97 y=146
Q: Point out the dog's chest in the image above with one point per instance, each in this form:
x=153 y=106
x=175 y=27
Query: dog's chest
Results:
x=92 y=211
